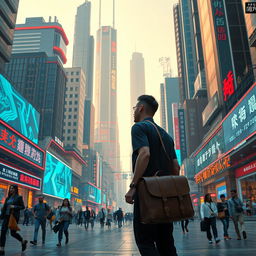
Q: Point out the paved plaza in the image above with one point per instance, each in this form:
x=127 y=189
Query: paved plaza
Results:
x=121 y=242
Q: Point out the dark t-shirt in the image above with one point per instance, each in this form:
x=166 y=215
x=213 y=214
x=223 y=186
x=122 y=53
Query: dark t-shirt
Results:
x=145 y=134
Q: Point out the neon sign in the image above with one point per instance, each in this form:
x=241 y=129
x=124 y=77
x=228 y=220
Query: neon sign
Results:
x=228 y=85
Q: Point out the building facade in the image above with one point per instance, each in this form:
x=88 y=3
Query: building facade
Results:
x=73 y=125
x=163 y=107
x=8 y=16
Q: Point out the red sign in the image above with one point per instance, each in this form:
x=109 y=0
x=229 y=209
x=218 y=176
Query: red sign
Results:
x=228 y=85
x=245 y=170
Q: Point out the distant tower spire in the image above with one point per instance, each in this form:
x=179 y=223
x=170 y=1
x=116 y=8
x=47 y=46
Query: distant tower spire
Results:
x=100 y=15
x=113 y=13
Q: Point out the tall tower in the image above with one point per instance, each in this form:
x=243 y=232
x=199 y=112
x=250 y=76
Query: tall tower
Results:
x=137 y=77
x=106 y=135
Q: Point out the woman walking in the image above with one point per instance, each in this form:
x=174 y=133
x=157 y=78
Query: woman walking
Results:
x=208 y=214
x=13 y=204
x=64 y=216
x=109 y=218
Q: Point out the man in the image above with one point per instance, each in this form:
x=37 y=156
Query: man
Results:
x=119 y=216
x=223 y=208
x=40 y=212
x=149 y=157
x=87 y=215
x=102 y=216
x=235 y=208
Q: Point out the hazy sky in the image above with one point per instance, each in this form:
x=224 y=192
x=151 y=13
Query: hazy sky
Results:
x=144 y=25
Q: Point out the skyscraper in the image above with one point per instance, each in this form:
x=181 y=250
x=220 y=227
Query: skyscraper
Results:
x=36 y=70
x=163 y=107
x=106 y=95
x=84 y=45
x=137 y=77
x=73 y=126
x=8 y=16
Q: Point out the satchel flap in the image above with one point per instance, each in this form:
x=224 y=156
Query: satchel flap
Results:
x=167 y=186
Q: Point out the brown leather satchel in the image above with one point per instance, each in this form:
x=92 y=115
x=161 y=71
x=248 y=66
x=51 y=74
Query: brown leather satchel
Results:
x=164 y=199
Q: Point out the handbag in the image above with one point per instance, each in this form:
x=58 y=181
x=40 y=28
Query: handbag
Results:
x=203 y=226
x=12 y=224
x=56 y=227
x=50 y=215
x=164 y=199
x=221 y=215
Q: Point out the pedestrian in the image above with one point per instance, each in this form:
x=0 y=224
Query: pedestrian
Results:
x=102 y=217
x=223 y=215
x=148 y=157
x=184 y=226
x=40 y=212
x=92 y=218
x=120 y=217
x=26 y=216
x=13 y=205
x=64 y=216
x=236 y=211
x=87 y=215
x=209 y=213
x=109 y=218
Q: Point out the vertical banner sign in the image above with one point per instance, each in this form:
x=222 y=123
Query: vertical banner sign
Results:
x=224 y=48
x=176 y=131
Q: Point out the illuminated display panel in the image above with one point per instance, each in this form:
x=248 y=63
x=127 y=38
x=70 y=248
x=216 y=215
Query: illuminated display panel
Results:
x=14 y=175
x=93 y=193
x=57 y=178
x=19 y=146
x=17 y=112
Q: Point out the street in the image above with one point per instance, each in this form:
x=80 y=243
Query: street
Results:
x=121 y=242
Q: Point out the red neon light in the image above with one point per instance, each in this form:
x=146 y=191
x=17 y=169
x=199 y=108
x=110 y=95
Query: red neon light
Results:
x=55 y=62
x=228 y=85
x=92 y=202
x=57 y=28
x=220 y=125
x=61 y=53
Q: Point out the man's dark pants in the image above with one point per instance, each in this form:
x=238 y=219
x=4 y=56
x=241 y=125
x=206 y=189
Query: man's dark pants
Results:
x=153 y=239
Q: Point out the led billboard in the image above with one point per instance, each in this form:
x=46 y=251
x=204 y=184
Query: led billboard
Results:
x=57 y=178
x=93 y=193
x=17 y=112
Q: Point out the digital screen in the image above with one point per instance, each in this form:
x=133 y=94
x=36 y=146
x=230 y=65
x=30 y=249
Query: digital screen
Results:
x=221 y=190
x=93 y=193
x=17 y=145
x=17 y=112
x=241 y=122
x=57 y=177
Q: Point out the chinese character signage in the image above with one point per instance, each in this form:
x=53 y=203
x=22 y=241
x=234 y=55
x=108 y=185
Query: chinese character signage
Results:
x=17 y=112
x=224 y=49
x=57 y=177
x=241 y=122
x=210 y=152
x=18 y=145
x=213 y=169
x=14 y=175
x=250 y=7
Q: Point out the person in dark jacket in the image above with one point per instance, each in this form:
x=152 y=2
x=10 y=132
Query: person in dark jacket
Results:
x=223 y=208
x=26 y=217
x=120 y=217
x=12 y=205
x=87 y=215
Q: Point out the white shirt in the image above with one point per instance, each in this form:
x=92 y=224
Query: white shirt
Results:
x=208 y=210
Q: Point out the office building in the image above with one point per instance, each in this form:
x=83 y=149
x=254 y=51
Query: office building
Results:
x=8 y=14
x=73 y=125
x=163 y=107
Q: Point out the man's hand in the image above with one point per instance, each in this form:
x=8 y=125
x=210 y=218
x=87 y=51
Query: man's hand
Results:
x=129 y=196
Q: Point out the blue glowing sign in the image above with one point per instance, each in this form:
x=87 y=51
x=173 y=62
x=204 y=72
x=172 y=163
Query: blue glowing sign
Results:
x=17 y=112
x=93 y=194
x=221 y=191
x=57 y=178
x=241 y=122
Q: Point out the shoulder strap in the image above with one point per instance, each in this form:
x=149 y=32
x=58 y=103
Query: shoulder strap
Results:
x=161 y=140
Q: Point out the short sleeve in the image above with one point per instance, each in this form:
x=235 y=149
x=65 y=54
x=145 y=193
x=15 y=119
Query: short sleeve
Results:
x=139 y=137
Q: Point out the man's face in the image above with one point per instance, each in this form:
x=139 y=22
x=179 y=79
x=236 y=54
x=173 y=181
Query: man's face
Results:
x=233 y=194
x=137 y=112
x=222 y=199
x=41 y=199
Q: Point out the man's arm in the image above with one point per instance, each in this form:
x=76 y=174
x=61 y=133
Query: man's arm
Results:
x=140 y=167
x=176 y=167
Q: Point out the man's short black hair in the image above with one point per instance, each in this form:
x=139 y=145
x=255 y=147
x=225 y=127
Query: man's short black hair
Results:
x=233 y=190
x=222 y=195
x=150 y=101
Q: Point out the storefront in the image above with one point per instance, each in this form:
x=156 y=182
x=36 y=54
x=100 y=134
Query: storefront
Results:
x=246 y=183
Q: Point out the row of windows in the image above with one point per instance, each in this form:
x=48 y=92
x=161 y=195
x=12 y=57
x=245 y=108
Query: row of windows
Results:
x=70 y=109
x=70 y=123
x=73 y=80
x=71 y=95
x=70 y=102
x=70 y=116
x=73 y=73
x=71 y=89
x=69 y=131
x=70 y=138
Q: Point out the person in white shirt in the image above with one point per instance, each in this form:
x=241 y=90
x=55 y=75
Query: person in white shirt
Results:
x=209 y=213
